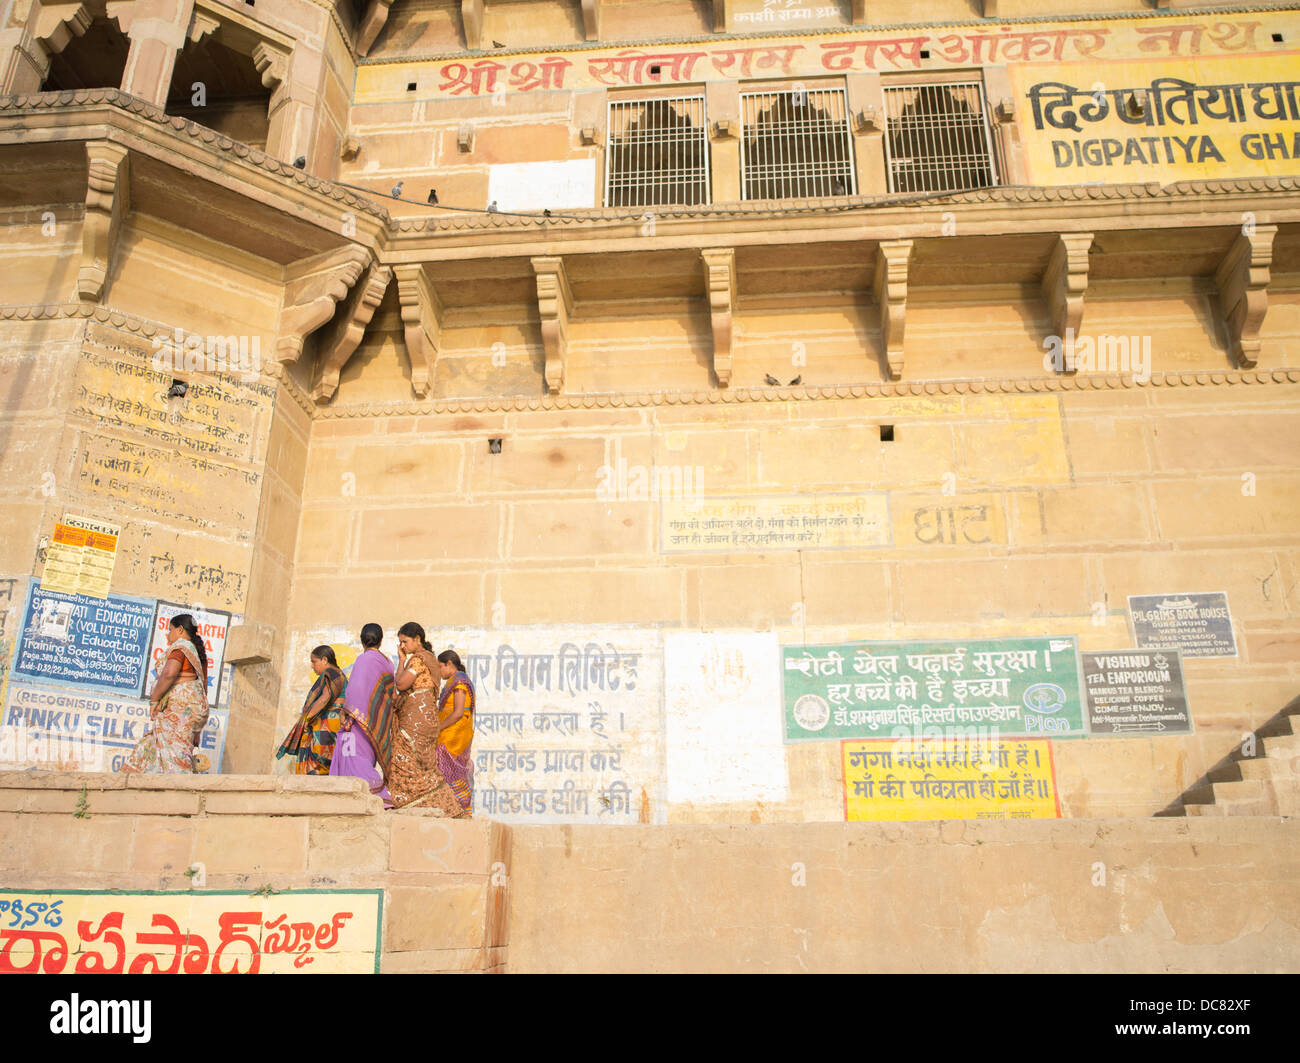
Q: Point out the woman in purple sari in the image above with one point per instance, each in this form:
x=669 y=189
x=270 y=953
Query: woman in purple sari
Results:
x=364 y=746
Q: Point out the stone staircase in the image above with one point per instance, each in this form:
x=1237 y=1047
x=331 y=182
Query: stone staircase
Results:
x=1267 y=784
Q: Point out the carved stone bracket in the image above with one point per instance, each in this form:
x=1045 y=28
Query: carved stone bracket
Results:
x=591 y=19
x=990 y=8
x=1242 y=279
x=720 y=13
x=890 y=288
x=201 y=24
x=421 y=324
x=107 y=201
x=555 y=306
x=1064 y=283
x=272 y=64
x=344 y=335
x=471 y=16
x=859 y=12
x=313 y=289
x=371 y=23
x=720 y=287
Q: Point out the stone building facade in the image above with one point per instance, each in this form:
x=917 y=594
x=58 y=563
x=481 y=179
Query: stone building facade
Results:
x=631 y=346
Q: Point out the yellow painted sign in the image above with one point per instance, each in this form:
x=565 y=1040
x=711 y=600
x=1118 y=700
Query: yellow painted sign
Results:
x=766 y=523
x=1160 y=120
x=949 y=778
x=214 y=932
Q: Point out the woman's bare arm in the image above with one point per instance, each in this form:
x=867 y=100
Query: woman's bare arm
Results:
x=166 y=680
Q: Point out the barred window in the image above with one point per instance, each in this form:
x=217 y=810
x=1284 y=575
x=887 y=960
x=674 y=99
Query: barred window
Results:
x=658 y=152
x=795 y=143
x=937 y=138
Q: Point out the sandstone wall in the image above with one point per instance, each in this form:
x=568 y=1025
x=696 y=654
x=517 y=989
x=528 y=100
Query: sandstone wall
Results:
x=1108 y=896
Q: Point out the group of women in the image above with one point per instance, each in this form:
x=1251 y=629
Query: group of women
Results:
x=405 y=730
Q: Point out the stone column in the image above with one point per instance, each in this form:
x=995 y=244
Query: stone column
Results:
x=157 y=30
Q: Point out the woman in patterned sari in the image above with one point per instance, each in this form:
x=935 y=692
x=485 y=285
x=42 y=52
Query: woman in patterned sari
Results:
x=178 y=705
x=311 y=742
x=415 y=778
x=456 y=729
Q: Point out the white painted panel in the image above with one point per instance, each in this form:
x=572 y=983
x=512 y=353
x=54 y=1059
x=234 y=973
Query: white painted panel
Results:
x=539 y=185
x=723 y=726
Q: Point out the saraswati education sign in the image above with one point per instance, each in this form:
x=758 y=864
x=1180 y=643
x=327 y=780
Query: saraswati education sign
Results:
x=1027 y=686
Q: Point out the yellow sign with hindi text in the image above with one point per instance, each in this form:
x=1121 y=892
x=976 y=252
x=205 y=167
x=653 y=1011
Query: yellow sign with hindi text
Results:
x=949 y=778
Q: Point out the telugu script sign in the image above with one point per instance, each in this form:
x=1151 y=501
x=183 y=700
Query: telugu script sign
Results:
x=208 y=932
x=949 y=779
x=1027 y=686
x=1199 y=625
x=82 y=641
x=767 y=523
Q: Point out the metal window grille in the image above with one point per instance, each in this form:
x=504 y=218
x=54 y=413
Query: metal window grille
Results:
x=937 y=138
x=795 y=143
x=658 y=152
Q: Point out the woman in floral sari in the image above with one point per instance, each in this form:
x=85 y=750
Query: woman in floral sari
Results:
x=311 y=742
x=456 y=729
x=415 y=778
x=178 y=705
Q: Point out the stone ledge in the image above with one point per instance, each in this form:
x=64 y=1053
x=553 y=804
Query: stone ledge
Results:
x=292 y=804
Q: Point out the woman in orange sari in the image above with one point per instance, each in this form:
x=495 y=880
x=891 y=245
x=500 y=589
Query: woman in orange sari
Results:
x=414 y=778
x=456 y=729
x=178 y=705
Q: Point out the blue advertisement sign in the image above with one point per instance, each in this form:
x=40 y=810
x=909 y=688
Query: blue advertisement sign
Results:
x=87 y=642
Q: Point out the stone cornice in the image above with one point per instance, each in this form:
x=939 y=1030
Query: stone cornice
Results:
x=984 y=211
x=831 y=205
x=1019 y=386
x=839 y=31
x=116 y=100
x=523 y=404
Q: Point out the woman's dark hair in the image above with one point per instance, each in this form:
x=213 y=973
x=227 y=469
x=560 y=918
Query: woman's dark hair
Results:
x=371 y=636
x=185 y=622
x=451 y=657
x=326 y=654
x=412 y=630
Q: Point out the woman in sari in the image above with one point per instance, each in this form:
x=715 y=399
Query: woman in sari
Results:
x=456 y=729
x=178 y=705
x=415 y=778
x=311 y=742
x=364 y=746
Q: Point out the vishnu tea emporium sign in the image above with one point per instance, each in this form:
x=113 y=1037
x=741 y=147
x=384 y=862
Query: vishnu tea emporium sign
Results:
x=1135 y=692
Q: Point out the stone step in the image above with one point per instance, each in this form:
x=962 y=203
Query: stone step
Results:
x=1282 y=745
x=1250 y=797
x=1268 y=769
x=1204 y=810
